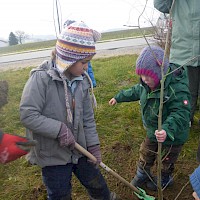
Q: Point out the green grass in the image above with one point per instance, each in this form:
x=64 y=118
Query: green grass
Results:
x=51 y=43
x=27 y=47
x=120 y=130
x=126 y=33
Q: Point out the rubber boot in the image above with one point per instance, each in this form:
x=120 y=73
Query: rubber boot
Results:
x=141 y=177
x=166 y=181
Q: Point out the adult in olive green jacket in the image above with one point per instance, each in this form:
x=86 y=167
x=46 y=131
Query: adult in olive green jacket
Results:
x=185 y=40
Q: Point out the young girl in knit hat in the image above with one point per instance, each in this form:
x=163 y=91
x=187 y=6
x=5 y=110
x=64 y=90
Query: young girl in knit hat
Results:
x=175 y=116
x=56 y=109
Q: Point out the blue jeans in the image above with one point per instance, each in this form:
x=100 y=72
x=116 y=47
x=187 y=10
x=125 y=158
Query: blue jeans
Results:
x=57 y=180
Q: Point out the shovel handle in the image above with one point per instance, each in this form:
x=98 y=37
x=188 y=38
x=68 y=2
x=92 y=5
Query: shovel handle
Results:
x=90 y=156
x=85 y=152
x=119 y=177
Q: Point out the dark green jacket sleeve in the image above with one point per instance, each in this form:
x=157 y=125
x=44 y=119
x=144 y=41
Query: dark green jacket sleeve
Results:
x=131 y=94
x=163 y=5
x=179 y=109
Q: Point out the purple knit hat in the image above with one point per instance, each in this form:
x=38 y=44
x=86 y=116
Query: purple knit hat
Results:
x=147 y=64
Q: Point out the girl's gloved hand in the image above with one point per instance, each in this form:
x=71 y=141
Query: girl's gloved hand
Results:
x=96 y=152
x=160 y=135
x=65 y=137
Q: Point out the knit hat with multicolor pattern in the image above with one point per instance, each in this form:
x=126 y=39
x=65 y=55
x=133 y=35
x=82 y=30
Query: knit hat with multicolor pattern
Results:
x=150 y=61
x=76 y=42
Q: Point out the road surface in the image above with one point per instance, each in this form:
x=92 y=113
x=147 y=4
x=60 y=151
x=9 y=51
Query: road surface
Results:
x=104 y=49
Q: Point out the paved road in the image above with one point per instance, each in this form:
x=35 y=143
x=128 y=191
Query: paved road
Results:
x=111 y=45
x=104 y=49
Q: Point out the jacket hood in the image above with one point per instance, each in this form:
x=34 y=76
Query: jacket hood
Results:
x=48 y=66
x=174 y=74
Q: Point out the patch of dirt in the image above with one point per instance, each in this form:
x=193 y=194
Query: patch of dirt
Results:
x=124 y=162
x=38 y=192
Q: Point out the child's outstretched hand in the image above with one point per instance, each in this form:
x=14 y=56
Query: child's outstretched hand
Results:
x=112 y=102
x=160 y=135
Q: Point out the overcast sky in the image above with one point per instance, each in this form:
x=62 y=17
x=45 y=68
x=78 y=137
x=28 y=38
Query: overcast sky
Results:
x=37 y=16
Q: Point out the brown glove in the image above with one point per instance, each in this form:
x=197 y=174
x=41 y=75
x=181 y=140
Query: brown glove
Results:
x=96 y=152
x=65 y=137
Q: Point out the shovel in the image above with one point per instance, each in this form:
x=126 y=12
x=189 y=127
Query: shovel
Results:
x=140 y=193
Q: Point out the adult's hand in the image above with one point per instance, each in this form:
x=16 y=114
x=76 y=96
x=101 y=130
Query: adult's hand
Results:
x=13 y=147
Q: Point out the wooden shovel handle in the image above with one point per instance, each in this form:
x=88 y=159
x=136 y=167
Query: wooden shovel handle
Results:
x=91 y=157
x=85 y=152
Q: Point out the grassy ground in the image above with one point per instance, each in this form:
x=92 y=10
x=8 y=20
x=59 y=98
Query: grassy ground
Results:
x=51 y=43
x=119 y=127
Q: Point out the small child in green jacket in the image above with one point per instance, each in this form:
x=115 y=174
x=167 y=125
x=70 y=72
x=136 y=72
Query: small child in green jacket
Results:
x=175 y=116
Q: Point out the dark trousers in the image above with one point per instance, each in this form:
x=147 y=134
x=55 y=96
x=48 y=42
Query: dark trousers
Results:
x=148 y=155
x=57 y=180
x=194 y=84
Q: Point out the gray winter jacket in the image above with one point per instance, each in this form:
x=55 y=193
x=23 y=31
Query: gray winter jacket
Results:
x=185 y=30
x=42 y=109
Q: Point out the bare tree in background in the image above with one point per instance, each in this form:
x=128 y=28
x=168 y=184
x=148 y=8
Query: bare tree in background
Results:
x=21 y=36
x=162 y=27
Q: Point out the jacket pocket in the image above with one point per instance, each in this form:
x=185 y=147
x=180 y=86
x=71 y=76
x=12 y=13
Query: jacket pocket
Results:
x=47 y=146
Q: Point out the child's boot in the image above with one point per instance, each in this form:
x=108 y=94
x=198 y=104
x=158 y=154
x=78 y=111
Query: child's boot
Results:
x=166 y=181
x=141 y=177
